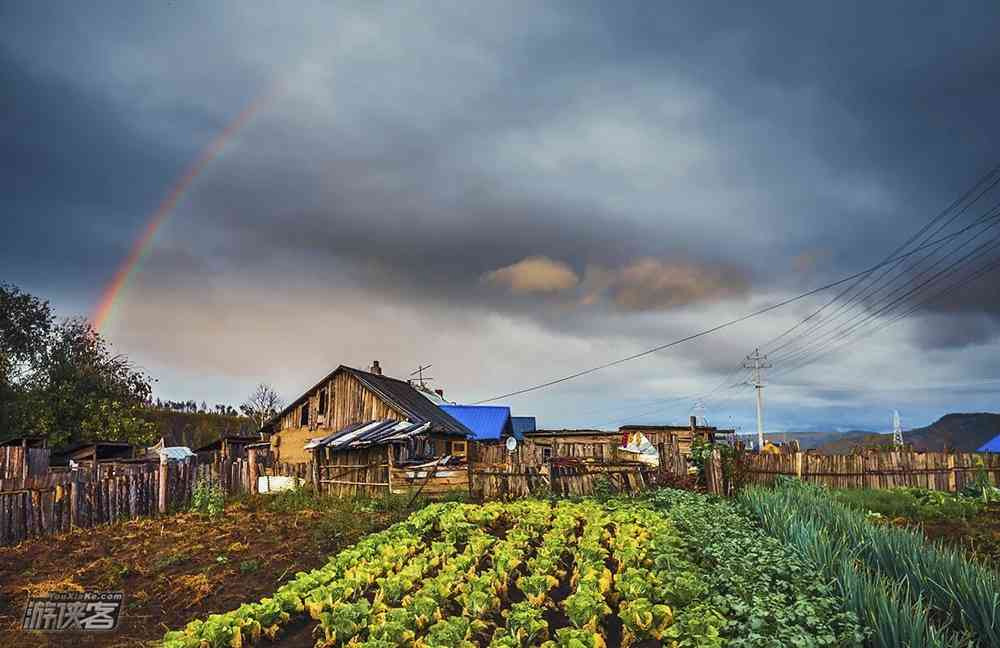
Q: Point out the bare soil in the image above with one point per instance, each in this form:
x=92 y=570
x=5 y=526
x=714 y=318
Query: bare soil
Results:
x=173 y=569
x=979 y=536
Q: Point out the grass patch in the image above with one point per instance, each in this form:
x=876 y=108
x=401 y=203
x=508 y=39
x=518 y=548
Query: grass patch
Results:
x=170 y=559
x=249 y=566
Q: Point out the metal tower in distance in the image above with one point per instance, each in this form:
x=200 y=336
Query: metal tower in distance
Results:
x=897 y=430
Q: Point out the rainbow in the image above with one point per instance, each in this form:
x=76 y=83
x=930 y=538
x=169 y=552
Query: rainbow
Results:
x=113 y=291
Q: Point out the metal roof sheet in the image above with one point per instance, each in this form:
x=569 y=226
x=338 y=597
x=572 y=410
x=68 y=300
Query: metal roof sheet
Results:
x=359 y=435
x=415 y=405
x=993 y=445
x=176 y=453
x=487 y=422
x=522 y=424
x=410 y=402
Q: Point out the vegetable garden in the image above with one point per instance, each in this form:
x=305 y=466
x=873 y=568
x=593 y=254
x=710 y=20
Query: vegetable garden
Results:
x=675 y=569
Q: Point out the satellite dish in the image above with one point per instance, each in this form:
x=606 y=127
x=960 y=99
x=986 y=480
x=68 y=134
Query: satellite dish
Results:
x=511 y=444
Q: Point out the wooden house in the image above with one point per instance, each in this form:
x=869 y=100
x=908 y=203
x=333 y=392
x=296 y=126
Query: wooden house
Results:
x=350 y=397
x=682 y=436
x=679 y=435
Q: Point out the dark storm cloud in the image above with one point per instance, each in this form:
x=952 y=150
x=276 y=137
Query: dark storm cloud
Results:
x=681 y=163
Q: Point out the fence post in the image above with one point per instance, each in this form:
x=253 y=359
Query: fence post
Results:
x=252 y=469
x=163 y=484
x=952 y=481
x=74 y=496
x=713 y=474
x=798 y=465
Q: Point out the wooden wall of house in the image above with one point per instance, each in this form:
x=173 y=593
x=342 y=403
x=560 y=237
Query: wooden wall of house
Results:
x=348 y=473
x=348 y=401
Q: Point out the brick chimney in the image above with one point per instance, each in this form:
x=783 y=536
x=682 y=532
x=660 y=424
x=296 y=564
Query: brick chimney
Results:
x=376 y=369
x=439 y=392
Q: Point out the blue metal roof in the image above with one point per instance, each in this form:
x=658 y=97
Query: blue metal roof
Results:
x=522 y=425
x=993 y=445
x=487 y=422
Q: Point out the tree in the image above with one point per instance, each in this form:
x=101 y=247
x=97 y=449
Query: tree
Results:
x=25 y=325
x=262 y=404
x=82 y=391
x=62 y=380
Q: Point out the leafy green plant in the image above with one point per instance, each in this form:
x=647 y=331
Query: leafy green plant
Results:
x=885 y=568
x=762 y=593
x=603 y=488
x=207 y=499
x=249 y=566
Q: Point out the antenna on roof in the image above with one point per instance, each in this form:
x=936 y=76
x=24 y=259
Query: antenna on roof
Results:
x=422 y=378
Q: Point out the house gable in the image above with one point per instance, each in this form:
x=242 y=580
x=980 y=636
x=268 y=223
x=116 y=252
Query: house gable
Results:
x=347 y=396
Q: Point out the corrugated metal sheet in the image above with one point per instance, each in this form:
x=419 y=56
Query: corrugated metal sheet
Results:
x=522 y=425
x=176 y=453
x=414 y=404
x=487 y=422
x=359 y=435
x=993 y=445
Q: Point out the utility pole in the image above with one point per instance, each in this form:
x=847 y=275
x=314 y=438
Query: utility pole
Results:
x=897 y=430
x=756 y=362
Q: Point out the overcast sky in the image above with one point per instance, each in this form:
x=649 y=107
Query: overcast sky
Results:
x=511 y=191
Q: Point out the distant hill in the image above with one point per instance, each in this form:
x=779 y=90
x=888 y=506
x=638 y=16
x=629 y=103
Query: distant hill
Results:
x=195 y=429
x=960 y=432
x=963 y=432
x=809 y=440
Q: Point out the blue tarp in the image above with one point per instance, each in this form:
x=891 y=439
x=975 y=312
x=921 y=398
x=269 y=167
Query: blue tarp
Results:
x=487 y=422
x=993 y=445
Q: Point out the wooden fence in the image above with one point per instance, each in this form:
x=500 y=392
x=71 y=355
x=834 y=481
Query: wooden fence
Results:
x=560 y=468
x=20 y=462
x=931 y=470
x=55 y=502
x=59 y=500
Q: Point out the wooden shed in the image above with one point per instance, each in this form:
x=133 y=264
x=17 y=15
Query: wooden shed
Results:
x=232 y=446
x=377 y=457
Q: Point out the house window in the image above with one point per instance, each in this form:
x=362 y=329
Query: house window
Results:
x=458 y=448
x=321 y=408
x=304 y=417
x=546 y=453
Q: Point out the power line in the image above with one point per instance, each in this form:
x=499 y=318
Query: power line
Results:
x=874 y=287
x=982 y=271
x=718 y=327
x=842 y=333
x=984 y=179
x=703 y=396
x=873 y=290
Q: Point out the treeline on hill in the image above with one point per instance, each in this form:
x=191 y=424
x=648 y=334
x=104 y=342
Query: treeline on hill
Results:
x=60 y=379
x=180 y=427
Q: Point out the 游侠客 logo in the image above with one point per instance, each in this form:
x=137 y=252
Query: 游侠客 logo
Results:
x=73 y=612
